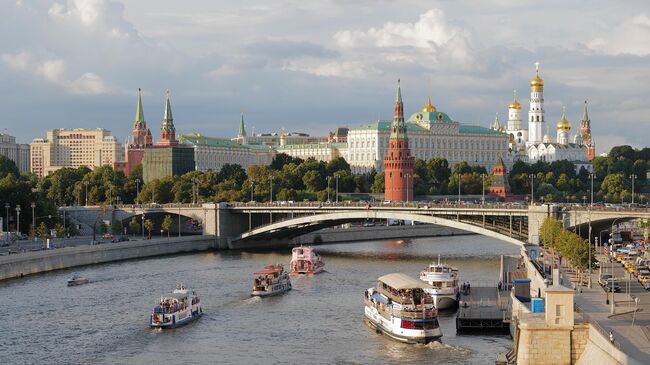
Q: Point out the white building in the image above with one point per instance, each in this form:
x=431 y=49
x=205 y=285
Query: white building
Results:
x=430 y=134
x=74 y=148
x=17 y=152
x=531 y=145
x=319 y=151
x=214 y=153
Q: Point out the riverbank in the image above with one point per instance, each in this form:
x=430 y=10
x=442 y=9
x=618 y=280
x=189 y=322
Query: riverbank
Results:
x=29 y=263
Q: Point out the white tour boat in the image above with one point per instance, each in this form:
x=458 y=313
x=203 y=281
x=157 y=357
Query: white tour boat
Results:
x=271 y=280
x=77 y=280
x=304 y=260
x=444 y=284
x=176 y=309
x=401 y=309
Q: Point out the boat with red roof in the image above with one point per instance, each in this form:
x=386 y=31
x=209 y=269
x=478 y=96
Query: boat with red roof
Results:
x=272 y=280
x=305 y=260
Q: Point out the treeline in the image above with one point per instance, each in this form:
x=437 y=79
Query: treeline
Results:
x=562 y=242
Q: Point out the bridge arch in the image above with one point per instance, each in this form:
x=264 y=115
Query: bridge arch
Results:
x=310 y=223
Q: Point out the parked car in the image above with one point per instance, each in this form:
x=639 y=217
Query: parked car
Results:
x=612 y=284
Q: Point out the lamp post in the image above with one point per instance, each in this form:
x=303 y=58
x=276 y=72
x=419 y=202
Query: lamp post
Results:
x=137 y=190
x=195 y=190
x=633 y=176
x=532 y=189
x=33 y=205
x=7 y=218
x=142 y=221
x=86 y=183
x=271 y=191
x=407 y=175
x=18 y=220
x=179 y=219
x=329 y=178
x=337 y=187
x=252 y=190
x=483 y=190
x=459 y=188
x=591 y=175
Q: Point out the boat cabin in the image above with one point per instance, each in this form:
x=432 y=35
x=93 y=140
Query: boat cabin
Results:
x=171 y=303
x=403 y=289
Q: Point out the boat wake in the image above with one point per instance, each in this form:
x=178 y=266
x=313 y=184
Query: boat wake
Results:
x=252 y=300
x=438 y=346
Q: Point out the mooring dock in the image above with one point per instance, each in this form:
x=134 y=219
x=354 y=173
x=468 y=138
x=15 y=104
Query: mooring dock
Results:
x=484 y=308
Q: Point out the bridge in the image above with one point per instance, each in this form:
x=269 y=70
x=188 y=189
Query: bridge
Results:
x=245 y=225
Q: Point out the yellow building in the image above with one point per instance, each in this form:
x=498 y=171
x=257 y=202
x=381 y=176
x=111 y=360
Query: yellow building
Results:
x=74 y=148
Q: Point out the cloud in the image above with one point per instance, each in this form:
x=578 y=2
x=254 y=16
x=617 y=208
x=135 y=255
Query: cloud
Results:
x=344 y=69
x=54 y=71
x=631 y=36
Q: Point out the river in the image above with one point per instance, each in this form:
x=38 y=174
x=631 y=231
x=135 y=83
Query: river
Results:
x=319 y=322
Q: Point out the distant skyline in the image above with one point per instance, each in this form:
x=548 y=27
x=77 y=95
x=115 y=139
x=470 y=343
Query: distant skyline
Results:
x=312 y=66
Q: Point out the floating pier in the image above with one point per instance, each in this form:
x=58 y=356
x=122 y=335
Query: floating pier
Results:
x=483 y=309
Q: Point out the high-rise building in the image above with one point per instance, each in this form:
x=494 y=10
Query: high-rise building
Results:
x=398 y=163
x=74 y=148
x=17 y=152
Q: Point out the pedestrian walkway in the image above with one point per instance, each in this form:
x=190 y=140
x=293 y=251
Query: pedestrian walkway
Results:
x=592 y=305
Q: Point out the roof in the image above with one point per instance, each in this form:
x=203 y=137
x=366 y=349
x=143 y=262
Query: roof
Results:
x=175 y=295
x=384 y=125
x=469 y=128
x=199 y=140
x=402 y=281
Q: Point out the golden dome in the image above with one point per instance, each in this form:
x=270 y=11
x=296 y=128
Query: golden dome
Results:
x=429 y=108
x=514 y=105
x=563 y=124
x=536 y=84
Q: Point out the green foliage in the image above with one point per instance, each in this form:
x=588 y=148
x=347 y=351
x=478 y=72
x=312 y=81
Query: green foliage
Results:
x=148 y=225
x=8 y=166
x=134 y=226
x=43 y=232
x=565 y=243
x=167 y=224
x=117 y=227
x=60 y=230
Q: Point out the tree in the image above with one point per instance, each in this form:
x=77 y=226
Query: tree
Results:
x=134 y=226
x=232 y=172
x=379 y=183
x=148 y=225
x=337 y=164
x=612 y=187
x=313 y=181
x=167 y=224
x=625 y=151
x=282 y=159
x=117 y=227
x=60 y=230
x=8 y=166
x=43 y=232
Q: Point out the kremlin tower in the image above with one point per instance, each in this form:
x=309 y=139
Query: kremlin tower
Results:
x=141 y=134
x=398 y=163
x=167 y=131
x=585 y=134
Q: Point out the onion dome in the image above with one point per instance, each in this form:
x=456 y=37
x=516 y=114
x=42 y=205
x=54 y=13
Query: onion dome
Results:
x=429 y=108
x=536 y=84
x=563 y=124
x=515 y=104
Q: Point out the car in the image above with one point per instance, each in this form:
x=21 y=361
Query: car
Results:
x=107 y=236
x=603 y=279
x=612 y=284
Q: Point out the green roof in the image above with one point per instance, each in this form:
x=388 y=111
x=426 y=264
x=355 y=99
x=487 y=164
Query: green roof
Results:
x=199 y=140
x=312 y=145
x=468 y=128
x=384 y=125
x=435 y=117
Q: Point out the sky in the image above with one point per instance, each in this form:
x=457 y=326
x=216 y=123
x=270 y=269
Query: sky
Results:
x=311 y=66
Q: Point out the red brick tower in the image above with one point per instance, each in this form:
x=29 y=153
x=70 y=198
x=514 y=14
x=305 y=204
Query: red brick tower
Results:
x=585 y=134
x=139 y=124
x=500 y=187
x=398 y=163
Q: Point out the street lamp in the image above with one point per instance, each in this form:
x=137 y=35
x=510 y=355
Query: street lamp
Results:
x=33 y=205
x=532 y=189
x=179 y=219
x=337 y=187
x=7 y=208
x=483 y=190
x=459 y=188
x=18 y=220
x=633 y=176
x=271 y=189
x=329 y=178
x=86 y=183
x=137 y=190
x=252 y=190
x=591 y=175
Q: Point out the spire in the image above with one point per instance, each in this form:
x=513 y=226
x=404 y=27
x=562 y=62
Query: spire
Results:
x=429 y=108
x=167 y=117
x=139 y=113
x=242 y=129
x=585 y=115
x=537 y=68
x=398 y=98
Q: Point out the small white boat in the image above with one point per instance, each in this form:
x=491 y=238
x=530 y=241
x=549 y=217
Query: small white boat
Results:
x=271 y=280
x=304 y=260
x=401 y=309
x=77 y=280
x=443 y=280
x=176 y=309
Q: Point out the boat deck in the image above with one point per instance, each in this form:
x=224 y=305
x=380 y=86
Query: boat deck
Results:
x=483 y=309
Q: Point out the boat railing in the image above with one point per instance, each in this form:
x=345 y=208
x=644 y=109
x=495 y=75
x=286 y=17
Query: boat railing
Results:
x=405 y=313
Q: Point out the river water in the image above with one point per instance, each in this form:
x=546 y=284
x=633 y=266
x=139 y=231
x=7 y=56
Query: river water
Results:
x=319 y=322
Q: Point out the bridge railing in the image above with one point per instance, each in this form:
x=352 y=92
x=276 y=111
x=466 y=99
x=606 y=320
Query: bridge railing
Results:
x=415 y=205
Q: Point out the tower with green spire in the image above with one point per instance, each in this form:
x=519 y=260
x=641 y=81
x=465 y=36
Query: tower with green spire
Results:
x=140 y=125
x=241 y=135
x=168 y=131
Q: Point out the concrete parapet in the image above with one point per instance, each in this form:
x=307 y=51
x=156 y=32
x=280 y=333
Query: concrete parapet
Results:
x=30 y=263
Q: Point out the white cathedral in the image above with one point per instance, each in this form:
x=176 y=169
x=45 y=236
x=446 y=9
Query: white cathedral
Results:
x=531 y=145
